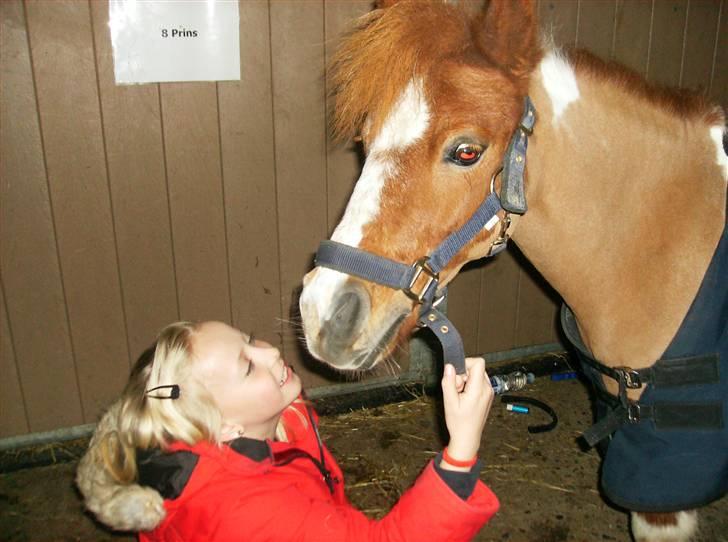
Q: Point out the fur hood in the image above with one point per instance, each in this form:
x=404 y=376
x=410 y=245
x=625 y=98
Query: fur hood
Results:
x=123 y=507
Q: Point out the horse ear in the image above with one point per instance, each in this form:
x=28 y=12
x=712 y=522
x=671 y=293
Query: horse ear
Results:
x=506 y=33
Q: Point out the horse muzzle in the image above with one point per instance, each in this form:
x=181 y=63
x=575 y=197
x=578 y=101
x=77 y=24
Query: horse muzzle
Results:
x=341 y=326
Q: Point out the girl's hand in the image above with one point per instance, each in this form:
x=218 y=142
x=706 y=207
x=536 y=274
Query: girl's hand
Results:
x=467 y=404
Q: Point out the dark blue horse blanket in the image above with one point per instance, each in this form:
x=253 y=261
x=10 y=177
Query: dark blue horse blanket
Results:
x=648 y=467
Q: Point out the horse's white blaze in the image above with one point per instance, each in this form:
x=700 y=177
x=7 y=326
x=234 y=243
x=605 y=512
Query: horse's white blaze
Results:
x=362 y=207
x=687 y=525
x=559 y=80
x=716 y=134
x=406 y=123
x=364 y=203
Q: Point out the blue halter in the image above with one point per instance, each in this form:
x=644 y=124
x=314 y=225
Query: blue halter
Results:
x=420 y=281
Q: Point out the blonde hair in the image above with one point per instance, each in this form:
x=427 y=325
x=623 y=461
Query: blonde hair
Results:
x=145 y=421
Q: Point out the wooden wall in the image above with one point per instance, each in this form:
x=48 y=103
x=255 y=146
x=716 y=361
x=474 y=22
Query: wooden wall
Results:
x=125 y=208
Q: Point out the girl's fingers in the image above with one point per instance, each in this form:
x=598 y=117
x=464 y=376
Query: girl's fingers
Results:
x=474 y=362
x=476 y=373
x=471 y=380
x=449 y=388
x=486 y=380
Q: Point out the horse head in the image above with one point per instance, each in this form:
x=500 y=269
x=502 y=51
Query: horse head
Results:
x=434 y=93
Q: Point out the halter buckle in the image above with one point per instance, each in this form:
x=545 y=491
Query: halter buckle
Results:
x=421 y=267
x=634 y=413
x=526 y=129
x=630 y=377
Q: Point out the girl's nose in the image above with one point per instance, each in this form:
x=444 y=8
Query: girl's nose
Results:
x=269 y=354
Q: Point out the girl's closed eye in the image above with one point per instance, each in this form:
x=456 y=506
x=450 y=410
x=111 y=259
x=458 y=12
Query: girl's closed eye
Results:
x=251 y=340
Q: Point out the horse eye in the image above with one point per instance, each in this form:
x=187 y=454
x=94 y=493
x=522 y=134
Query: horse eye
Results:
x=466 y=154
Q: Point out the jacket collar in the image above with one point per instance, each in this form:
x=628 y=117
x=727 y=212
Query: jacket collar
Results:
x=169 y=472
x=257 y=450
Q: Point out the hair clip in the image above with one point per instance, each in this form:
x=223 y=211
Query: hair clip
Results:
x=173 y=392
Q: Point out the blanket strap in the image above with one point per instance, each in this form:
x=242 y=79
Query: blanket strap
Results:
x=687 y=371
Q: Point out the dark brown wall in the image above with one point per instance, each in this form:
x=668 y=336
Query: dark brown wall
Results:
x=123 y=208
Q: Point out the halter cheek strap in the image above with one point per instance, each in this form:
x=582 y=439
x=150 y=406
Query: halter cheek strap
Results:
x=513 y=194
x=420 y=281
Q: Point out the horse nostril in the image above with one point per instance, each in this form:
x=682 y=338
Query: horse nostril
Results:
x=347 y=309
x=350 y=309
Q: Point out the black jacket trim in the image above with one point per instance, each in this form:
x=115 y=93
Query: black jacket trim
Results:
x=462 y=483
x=167 y=473
x=257 y=450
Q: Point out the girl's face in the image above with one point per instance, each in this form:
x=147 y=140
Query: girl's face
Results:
x=251 y=383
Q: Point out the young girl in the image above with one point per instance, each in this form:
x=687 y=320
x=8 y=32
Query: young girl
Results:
x=211 y=440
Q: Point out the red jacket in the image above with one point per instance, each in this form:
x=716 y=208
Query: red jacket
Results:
x=242 y=495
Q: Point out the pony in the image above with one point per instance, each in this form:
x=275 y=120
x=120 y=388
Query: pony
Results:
x=622 y=210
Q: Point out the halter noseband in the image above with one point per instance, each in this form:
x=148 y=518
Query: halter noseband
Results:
x=420 y=280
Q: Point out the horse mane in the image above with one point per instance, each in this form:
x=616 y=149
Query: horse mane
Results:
x=384 y=53
x=684 y=103
x=390 y=47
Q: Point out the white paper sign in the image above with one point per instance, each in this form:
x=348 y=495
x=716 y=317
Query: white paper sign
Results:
x=175 y=40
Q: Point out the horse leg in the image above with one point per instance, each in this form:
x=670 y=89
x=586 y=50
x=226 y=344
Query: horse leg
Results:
x=664 y=527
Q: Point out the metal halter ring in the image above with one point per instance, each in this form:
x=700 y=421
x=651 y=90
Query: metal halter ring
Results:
x=421 y=267
x=492 y=179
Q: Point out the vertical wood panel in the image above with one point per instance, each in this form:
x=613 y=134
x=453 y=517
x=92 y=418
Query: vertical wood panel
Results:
x=248 y=159
x=499 y=304
x=632 y=33
x=342 y=158
x=13 y=417
x=135 y=157
x=700 y=41
x=596 y=26
x=29 y=267
x=297 y=45
x=62 y=53
x=536 y=310
x=463 y=301
x=719 y=81
x=666 y=45
x=558 y=18
x=192 y=147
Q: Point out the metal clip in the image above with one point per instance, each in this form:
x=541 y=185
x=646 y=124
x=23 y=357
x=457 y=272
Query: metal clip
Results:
x=421 y=267
x=503 y=236
x=630 y=377
x=633 y=413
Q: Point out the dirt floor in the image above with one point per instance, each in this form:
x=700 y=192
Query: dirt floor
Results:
x=546 y=483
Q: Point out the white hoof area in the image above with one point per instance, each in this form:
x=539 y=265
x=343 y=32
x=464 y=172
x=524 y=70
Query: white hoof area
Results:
x=677 y=527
